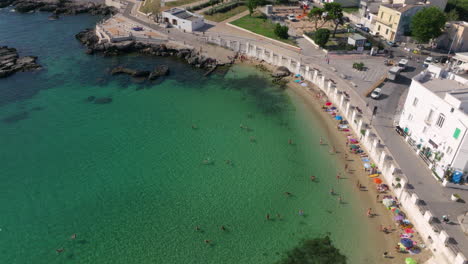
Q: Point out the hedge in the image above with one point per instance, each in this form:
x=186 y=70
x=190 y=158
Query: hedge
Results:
x=223 y=8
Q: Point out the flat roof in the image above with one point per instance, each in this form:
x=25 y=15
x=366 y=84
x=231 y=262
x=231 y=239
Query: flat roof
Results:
x=181 y=13
x=401 y=7
x=441 y=87
x=357 y=37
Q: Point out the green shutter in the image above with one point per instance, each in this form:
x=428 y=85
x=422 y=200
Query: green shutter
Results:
x=457 y=133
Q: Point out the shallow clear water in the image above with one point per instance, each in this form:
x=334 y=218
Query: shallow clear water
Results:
x=128 y=177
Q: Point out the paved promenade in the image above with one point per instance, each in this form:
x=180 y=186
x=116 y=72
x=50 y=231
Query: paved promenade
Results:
x=421 y=181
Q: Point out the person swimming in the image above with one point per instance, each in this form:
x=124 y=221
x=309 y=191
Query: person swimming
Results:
x=312 y=178
x=59 y=250
x=73 y=236
x=301 y=212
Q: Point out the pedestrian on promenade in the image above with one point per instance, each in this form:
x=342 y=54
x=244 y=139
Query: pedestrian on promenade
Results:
x=338 y=176
x=332 y=191
x=346 y=167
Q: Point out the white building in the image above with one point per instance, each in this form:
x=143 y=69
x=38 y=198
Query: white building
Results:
x=183 y=19
x=435 y=119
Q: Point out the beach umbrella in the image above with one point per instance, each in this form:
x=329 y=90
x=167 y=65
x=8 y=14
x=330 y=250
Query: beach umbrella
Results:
x=399 y=217
x=333 y=108
x=366 y=165
x=303 y=84
x=410 y=261
x=406 y=242
x=297 y=81
x=328 y=103
x=387 y=202
x=409 y=231
x=297 y=75
x=338 y=117
x=377 y=180
x=354 y=147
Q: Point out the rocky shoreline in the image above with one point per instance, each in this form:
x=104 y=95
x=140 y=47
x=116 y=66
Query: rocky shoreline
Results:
x=58 y=7
x=90 y=40
x=11 y=62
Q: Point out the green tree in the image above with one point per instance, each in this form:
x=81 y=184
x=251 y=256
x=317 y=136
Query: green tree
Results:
x=321 y=37
x=452 y=15
x=314 y=251
x=315 y=15
x=334 y=13
x=252 y=4
x=427 y=24
x=461 y=6
x=281 y=31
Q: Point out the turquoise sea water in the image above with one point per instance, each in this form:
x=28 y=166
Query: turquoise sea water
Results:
x=128 y=177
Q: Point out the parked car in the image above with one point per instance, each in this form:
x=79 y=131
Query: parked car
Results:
x=428 y=61
x=366 y=29
x=291 y=17
x=374 y=33
x=391 y=44
x=359 y=25
x=376 y=93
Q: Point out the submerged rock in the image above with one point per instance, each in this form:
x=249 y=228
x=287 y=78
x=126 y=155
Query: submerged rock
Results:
x=128 y=71
x=160 y=70
x=103 y=100
x=91 y=98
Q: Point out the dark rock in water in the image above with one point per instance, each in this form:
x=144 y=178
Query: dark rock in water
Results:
x=37 y=108
x=103 y=100
x=131 y=72
x=139 y=74
x=91 y=98
x=10 y=62
x=160 y=70
x=53 y=17
x=16 y=117
x=281 y=71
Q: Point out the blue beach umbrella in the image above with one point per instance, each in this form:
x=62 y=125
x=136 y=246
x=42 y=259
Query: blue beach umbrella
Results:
x=406 y=242
x=338 y=117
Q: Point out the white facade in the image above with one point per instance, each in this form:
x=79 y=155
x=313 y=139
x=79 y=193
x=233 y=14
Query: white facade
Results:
x=435 y=118
x=183 y=19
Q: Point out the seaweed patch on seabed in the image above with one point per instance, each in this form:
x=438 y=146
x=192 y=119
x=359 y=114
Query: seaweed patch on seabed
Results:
x=268 y=97
x=15 y=117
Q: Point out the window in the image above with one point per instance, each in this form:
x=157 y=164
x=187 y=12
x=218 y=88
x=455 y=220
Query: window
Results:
x=381 y=15
x=378 y=28
x=410 y=117
x=386 y=31
x=440 y=120
x=415 y=102
x=425 y=130
x=429 y=116
x=390 y=19
x=456 y=134
x=449 y=150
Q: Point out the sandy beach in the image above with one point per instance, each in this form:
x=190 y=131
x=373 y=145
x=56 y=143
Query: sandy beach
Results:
x=385 y=242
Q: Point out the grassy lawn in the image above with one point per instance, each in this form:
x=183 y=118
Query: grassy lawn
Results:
x=350 y=9
x=218 y=17
x=260 y=26
x=150 y=6
x=180 y=2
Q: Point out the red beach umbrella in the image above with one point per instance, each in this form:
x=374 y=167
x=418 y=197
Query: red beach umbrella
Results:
x=328 y=103
x=409 y=231
x=377 y=180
